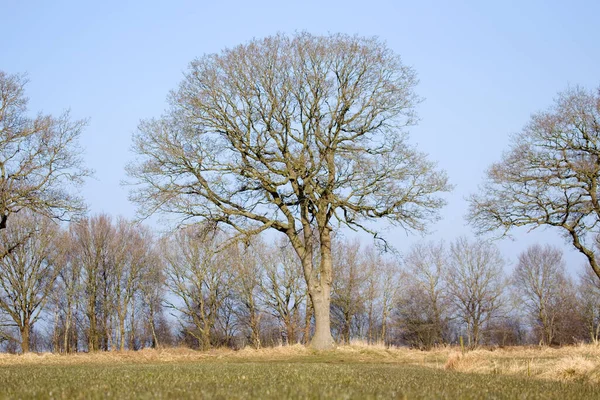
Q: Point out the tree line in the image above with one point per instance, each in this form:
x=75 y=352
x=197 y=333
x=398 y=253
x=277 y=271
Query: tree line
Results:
x=103 y=284
x=298 y=135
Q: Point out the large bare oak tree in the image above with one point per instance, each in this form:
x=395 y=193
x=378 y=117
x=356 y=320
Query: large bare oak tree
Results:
x=296 y=133
x=549 y=176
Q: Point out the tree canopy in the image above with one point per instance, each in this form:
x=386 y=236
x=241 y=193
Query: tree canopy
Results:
x=549 y=176
x=40 y=158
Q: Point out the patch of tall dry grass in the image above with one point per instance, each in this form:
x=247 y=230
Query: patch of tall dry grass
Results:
x=569 y=363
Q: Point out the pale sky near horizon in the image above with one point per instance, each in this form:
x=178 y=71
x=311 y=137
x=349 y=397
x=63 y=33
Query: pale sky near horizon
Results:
x=484 y=68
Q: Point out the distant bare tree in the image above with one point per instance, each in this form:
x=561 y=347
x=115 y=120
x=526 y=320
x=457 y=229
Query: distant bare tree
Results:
x=292 y=133
x=130 y=256
x=539 y=278
x=550 y=175
x=476 y=283
x=390 y=289
x=283 y=288
x=589 y=298
x=570 y=325
x=372 y=292
x=153 y=293
x=423 y=307
x=28 y=274
x=68 y=293
x=91 y=239
x=347 y=300
x=40 y=159
x=199 y=275
x=246 y=260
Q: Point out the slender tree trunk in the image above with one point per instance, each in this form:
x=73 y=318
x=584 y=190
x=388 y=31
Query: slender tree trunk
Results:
x=121 y=332
x=384 y=318
x=255 y=328
x=132 y=345
x=290 y=330
x=206 y=326
x=347 y=323
x=370 y=317
x=55 y=334
x=384 y=327
x=108 y=337
x=475 y=341
x=155 y=343
x=93 y=339
x=25 y=337
x=67 y=342
x=438 y=334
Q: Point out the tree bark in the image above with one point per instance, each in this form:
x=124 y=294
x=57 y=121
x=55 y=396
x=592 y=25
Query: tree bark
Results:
x=132 y=333
x=25 y=337
x=320 y=293
x=93 y=339
x=121 y=333
x=66 y=343
x=155 y=342
x=322 y=339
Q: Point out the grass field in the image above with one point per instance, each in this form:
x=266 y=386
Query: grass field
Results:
x=349 y=372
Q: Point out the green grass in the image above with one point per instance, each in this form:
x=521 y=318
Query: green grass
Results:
x=225 y=379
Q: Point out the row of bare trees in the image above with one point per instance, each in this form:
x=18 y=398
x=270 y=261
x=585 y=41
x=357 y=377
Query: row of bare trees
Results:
x=463 y=290
x=111 y=284
x=88 y=284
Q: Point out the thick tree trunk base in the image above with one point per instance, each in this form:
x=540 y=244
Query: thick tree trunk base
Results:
x=322 y=339
x=322 y=342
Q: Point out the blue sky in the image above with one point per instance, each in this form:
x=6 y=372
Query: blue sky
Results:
x=484 y=67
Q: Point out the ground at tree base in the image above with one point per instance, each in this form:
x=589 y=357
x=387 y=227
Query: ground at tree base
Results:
x=355 y=371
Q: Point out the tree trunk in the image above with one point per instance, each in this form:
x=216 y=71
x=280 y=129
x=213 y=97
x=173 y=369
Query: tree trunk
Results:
x=122 y=332
x=254 y=322
x=66 y=343
x=206 y=336
x=155 y=343
x=93 y=339
x=370 y=319
x=346 y=328
x=132 y=333
x=322 y=339
x=319 y=288
x=55 y=334
x=384 y=329
x=290 y=330
x=475 y=342
x=25 y=334
x=384 y=318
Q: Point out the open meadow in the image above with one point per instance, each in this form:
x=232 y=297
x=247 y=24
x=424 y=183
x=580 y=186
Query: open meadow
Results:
x=354 y=371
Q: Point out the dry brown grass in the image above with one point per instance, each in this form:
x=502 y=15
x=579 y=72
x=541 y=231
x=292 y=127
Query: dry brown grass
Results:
x=111 y=357
x=570 y=363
